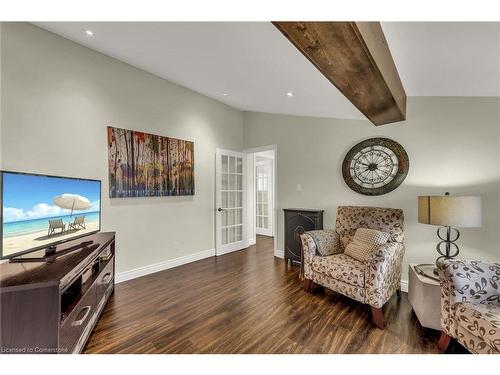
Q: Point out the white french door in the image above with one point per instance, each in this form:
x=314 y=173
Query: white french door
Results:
x=230 y=195
x=263 y=197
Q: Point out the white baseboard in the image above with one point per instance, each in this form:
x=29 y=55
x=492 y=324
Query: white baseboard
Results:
x=279 y=254
x=404 y=286
x=251 y=241
x=157 y=267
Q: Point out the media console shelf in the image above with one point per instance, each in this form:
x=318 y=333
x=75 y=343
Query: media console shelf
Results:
x=52 y=307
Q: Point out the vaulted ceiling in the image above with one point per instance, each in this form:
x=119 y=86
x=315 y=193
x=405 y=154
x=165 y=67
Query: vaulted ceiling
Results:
x=253 y=67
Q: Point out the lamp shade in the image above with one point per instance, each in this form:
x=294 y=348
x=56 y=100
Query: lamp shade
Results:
x=450 y=211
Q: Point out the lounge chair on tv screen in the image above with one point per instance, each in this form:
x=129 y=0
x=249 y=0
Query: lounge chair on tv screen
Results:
x=55 y=224
x=78 y=223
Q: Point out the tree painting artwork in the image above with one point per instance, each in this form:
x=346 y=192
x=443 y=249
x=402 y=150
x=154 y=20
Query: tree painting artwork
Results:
x=147 y=165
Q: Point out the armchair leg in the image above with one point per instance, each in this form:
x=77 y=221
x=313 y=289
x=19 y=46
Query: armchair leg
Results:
x=398 y=293
x=308 y=284
x=378 y=317
x=444 y=342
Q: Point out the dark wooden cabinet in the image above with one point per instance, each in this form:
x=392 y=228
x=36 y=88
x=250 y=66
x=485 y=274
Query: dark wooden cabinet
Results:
x=52 y=307
x=298 y=221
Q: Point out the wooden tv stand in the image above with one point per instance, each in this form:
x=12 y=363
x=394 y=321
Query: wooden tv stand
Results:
x=53 y=307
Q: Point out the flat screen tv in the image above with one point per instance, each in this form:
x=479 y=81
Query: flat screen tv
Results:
x=39 y=211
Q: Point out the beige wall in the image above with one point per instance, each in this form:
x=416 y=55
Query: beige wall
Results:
x=57 y=99
x=453 y=145
x=1 y=88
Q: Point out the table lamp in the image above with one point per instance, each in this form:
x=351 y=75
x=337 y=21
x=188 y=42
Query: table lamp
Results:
x=449 y=212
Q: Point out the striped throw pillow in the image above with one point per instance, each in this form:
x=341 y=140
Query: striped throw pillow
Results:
x=364 y=242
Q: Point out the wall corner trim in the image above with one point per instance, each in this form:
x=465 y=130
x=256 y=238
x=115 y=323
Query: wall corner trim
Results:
x=161 y=266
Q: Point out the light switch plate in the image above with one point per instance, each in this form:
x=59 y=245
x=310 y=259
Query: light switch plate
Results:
x=299 y=187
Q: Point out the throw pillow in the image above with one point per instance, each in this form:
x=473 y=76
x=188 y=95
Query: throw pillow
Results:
x=326 y=241
x=364 y=242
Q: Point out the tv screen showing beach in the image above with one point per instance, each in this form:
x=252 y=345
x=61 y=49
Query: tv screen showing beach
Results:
x=38 y=211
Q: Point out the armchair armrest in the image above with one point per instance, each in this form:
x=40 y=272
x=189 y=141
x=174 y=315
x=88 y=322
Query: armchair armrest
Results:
x=466 y=281
x=310 y=250
x=383 y=273
x=308 y=247
x=470 y=281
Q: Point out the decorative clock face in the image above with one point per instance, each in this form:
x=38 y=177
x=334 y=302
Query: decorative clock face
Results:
x=375 y=166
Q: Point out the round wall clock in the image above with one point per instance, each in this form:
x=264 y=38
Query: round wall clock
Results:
x=375 y=166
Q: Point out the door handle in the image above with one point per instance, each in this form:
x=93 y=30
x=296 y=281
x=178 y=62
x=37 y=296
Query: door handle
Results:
x=220 y=209
x=80 y=321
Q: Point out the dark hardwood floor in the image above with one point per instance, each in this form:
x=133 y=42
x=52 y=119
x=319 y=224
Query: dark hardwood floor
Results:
x=248 y=302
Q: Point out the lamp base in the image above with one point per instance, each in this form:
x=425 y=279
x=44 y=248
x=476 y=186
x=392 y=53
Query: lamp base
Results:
x=448 y=243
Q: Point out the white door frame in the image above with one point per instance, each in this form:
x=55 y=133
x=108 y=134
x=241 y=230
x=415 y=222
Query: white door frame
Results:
x=274 y=147
x=218 y=242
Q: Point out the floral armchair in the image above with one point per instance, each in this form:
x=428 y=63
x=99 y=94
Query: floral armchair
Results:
x=470 y=304
x=372 y=282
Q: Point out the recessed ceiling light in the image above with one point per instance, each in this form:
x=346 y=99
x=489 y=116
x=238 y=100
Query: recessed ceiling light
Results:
x=224 y=94
x=89 y=32
x=289 y=94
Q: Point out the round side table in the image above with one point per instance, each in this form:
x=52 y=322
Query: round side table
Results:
x=424 y=294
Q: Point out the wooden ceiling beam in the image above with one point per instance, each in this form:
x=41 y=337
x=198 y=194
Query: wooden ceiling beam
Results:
x=355 y=57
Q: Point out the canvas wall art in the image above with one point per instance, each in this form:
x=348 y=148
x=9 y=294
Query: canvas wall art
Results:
x=148 y=165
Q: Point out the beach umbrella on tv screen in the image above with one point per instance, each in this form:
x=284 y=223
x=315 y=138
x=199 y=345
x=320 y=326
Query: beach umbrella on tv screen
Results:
x=73 y=202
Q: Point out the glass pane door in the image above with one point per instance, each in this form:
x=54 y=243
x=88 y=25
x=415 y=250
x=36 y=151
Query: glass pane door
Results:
x=263 y=203
x=230 y=209
x=232 y=199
